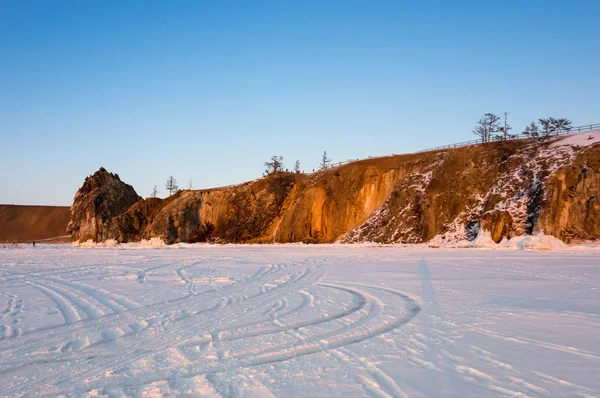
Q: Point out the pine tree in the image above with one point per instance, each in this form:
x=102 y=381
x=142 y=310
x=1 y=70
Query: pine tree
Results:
x=325 y=161
x=562 y=124
x=532 y=130
x=547 y=127
x=171 y=185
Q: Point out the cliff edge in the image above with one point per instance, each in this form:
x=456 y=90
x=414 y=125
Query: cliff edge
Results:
x=507 y=189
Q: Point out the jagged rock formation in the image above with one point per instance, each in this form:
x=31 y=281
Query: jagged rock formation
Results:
x=129 y=226
x=507 y=189
x=175 y=219
x=101 y=197
x=237 y=214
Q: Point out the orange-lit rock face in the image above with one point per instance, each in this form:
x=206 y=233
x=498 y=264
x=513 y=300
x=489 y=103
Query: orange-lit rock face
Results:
x=571 y=209
x=506 y=189
x=101 y=197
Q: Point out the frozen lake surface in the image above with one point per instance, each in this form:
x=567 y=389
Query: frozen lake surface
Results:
x=298 y=320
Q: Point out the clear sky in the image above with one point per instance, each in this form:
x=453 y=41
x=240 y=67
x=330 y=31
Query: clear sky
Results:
x=209 y=90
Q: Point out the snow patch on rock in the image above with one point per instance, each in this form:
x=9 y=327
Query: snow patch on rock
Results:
x=579 y=139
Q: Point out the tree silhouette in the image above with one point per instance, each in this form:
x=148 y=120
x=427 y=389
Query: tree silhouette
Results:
x=275 y=165
x=532 y=130
x=552 y=126
x=325 y=161
x=504 y=129
x=171 y=185
x=487 y=127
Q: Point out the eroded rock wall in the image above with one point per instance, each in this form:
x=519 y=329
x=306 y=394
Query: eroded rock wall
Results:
x=571 y=208
x=506 y=189
x=101 y=197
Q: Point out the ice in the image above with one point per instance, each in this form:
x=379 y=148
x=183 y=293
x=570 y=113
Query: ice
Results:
x=539 y=241
x=301 y=320
x=483 y=240
x=90 y=243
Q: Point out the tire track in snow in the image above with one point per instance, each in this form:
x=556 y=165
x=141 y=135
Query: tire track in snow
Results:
x=66 y=308
x=307 y=301
x=132 y=355
x=112 y=301
x=141 y=316
x=78 y=301
x=357 y=305
x=72 y=306
x=581 y=390
x=23 y=276
x=86 y=367
x=321 y=345
x=500 y=269
x=382 y=385
x=274 y=357
x=539 y=343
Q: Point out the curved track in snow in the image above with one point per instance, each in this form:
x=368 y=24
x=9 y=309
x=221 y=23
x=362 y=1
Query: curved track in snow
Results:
x=231 y=321
x=270 y=316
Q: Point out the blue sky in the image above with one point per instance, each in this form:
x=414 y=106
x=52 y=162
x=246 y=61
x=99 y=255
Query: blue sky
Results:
x=209 y=90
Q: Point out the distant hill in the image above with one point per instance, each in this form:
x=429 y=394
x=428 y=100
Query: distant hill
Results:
x=28 y=223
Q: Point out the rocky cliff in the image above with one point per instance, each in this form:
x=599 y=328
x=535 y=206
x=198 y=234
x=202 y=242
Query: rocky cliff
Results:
x=101 y=197
x=505 y=188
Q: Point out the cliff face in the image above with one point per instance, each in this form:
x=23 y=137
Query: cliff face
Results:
x=237 y=214
x=571 y=206
x=506 y=189
x=101 y=197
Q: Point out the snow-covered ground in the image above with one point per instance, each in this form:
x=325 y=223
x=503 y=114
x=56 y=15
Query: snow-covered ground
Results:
x=299 y=320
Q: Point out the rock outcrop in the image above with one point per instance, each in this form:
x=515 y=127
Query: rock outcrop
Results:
x=101 y=197
x=131 y=225
x=178 y=219
x=571 y=208
x=238 y=214
x=506 y=189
